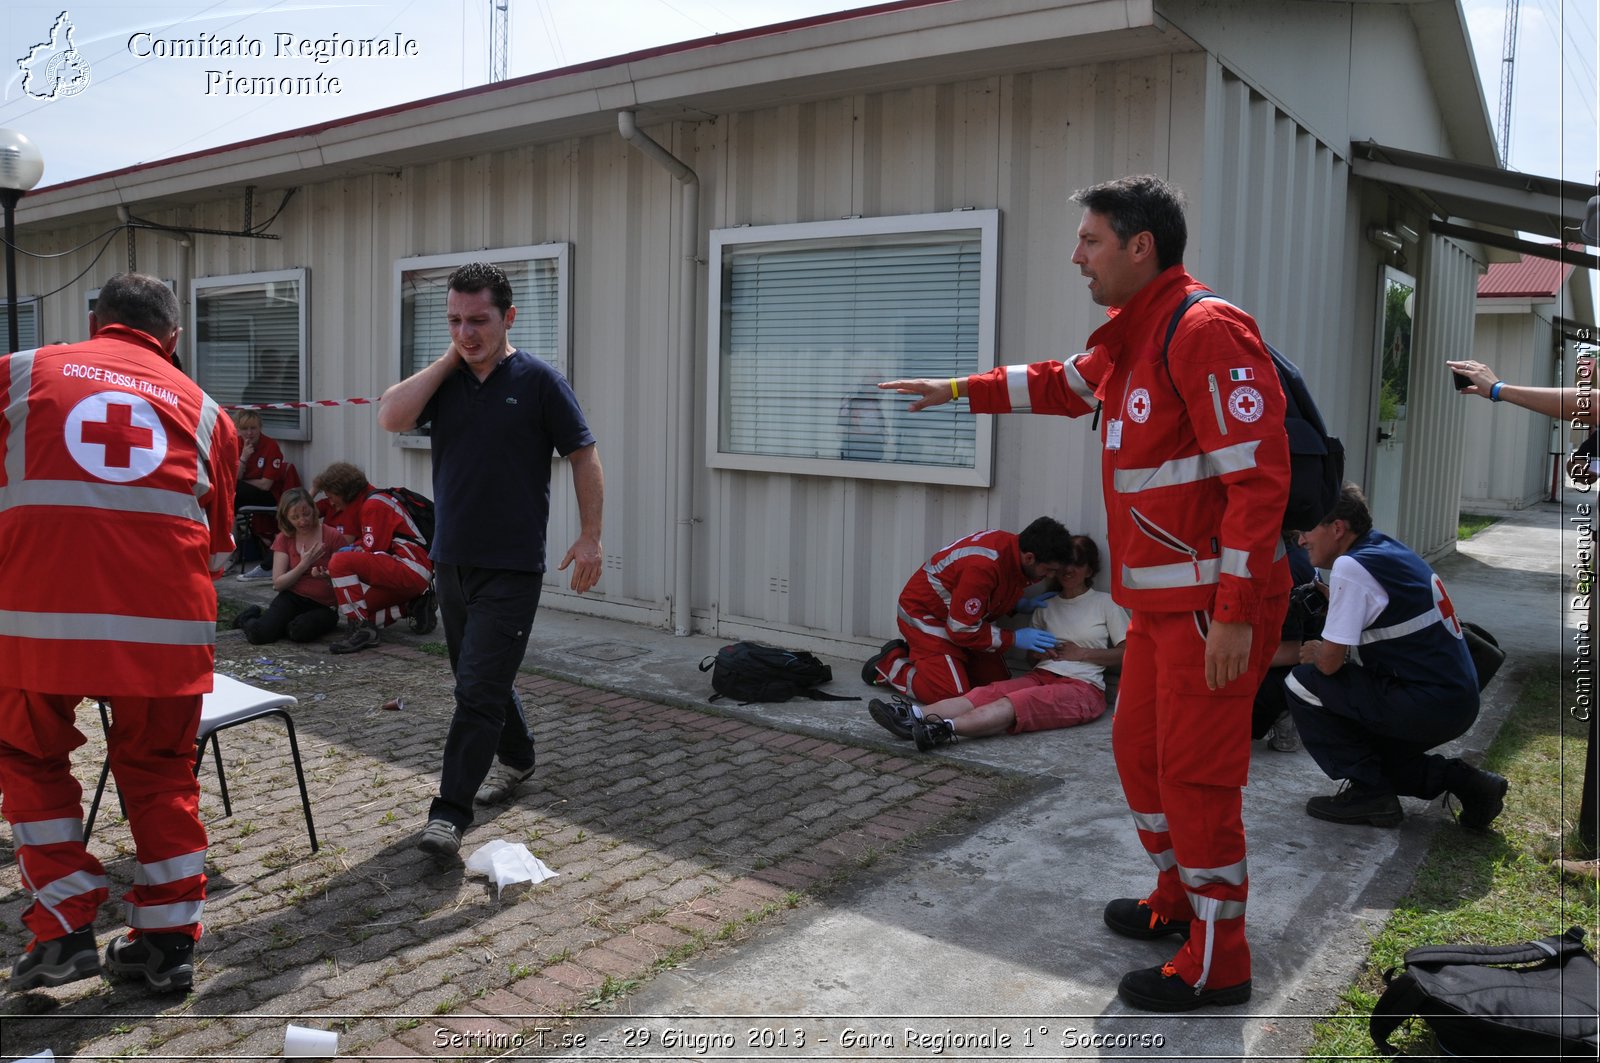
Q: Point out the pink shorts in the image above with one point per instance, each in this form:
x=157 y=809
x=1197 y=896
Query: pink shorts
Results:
x=1044 y=700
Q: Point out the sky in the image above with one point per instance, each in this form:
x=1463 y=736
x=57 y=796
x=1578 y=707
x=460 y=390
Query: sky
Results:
x=127 y=98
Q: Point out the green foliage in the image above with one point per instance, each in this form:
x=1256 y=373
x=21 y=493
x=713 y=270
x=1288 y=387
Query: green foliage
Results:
x=1470 y=524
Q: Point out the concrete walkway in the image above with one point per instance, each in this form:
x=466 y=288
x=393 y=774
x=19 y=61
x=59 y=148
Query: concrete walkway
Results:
x=734 y=880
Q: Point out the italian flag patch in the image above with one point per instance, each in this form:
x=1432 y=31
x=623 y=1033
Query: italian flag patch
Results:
x=1237 y=375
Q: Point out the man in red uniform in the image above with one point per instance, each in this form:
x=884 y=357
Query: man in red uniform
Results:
x=116 y=513
x=385 y=569
x=1195 y=471
x=949 y=641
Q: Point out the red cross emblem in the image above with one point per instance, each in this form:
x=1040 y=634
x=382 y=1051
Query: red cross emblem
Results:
x=115 y=436
x=1246 y=404
x=119 y=435
x=1139 y=405
x=1447 y=609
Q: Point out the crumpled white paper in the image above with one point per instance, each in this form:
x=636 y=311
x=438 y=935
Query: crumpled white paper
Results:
x=507 y=863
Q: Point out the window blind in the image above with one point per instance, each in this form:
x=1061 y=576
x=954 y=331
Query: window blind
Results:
x=809 y=330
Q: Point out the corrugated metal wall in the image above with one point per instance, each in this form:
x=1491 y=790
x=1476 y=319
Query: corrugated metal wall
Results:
x=824 y=557
x=1447 y=294
x=1505 y=463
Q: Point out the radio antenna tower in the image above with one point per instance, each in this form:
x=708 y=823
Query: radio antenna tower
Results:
x=499 y=38
x=1508 y=64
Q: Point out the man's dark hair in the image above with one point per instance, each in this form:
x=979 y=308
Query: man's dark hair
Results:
x=1086 y=553
x=1352 y=509
x=1048 y=540
x=1145 y=203
x=478 y=276
x=138 y=301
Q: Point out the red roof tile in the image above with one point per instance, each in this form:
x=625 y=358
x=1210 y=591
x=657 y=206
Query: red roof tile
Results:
x=1531 y=278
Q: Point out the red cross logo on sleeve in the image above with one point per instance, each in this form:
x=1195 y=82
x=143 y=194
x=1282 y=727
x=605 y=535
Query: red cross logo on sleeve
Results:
x=1139 y=405
x=1447 y=609
x=1246 y=404
x=116 y=436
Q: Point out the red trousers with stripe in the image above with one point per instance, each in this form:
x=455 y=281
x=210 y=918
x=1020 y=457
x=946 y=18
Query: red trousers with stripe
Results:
x=936 y=669
x=151 y=749
x=366 y=585
x=1183 y=755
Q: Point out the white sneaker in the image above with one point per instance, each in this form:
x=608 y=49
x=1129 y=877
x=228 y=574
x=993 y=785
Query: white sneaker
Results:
x=254 y=575
x=502 y=784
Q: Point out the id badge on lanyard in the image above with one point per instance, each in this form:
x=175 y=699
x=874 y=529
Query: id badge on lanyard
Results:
x=1114 y=434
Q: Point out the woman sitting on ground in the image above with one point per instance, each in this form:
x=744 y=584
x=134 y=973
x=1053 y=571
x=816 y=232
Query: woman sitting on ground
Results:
x=304 y=606
x=1066 y=687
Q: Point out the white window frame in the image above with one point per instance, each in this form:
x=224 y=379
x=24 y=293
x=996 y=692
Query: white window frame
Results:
x=301 y=430
x=984 y=223
x=561 y=253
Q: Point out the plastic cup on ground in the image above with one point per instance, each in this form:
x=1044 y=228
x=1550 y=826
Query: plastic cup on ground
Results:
x=305 y=1042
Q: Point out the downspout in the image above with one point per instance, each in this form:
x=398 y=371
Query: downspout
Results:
x=688 y=299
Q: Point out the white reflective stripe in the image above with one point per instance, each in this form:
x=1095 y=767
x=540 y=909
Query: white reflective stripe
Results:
x=68 y=886
x=23 y=858
x=347 y=580
x=170 y=870
x=204 y=430
x=87 y=494
x=1212 y=910
x=1283 y=548
x=1164 y=860
x=924 y=627
x=963 y=627
x=1017 y=388
x=47 y=832
x=1298 y=689
x=16 y=414
x=957 y=555
x=938 y=588
x=955 y=676
x=102 y=627
x=161 y=916
x=1180 y=574
x=416 y=566
x=1080 y=387
x=1208 y=466
x=1405 y=627
x=219 y=562
x=394 y=504
x=1231 y=875
x=1153 y=822
x=1235 y=562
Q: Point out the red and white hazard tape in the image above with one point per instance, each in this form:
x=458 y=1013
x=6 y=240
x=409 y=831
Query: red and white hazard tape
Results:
x=295 y=405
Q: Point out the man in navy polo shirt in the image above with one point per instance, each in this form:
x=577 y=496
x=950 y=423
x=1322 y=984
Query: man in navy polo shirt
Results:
x=497 y=416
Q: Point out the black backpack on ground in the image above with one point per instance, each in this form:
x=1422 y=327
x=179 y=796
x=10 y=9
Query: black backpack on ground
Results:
x=1316 y=459
x=418 y=507
x=1543 y=1009
x=750 y=672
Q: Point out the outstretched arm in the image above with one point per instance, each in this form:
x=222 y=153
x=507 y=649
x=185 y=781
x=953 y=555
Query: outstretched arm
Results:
x=930 y=392
x=1552 y=402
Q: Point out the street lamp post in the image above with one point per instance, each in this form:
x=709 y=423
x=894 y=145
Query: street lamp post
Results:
x=21 y=166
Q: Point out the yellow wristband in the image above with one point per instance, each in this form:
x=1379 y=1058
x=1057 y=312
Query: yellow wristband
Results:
x=954 y=394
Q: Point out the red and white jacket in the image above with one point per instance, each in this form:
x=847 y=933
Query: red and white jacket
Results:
x=1195 y=466
x=386 y=528
x=964 y=588
x=116 y=513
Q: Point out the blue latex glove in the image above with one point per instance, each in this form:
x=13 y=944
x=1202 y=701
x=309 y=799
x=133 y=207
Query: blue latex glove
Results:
x=1028 y=605
x=1034 y=640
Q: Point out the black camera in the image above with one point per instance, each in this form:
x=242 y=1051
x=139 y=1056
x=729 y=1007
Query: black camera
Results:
x=1309 y=599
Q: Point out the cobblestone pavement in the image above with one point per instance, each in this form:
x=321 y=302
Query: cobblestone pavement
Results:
x=673 y=831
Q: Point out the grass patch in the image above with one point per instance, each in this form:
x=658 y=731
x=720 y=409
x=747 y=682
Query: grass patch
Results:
x=437 y=649
x=1497 y=888
x=1471 y=524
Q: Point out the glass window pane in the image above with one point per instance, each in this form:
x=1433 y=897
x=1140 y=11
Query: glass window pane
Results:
x=247 y=346
x=810 y=327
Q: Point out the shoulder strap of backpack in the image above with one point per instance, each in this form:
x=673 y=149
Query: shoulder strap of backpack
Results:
x=822 y=695
x=1401 y=999
x=1560 y=947
x=1172 y=330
